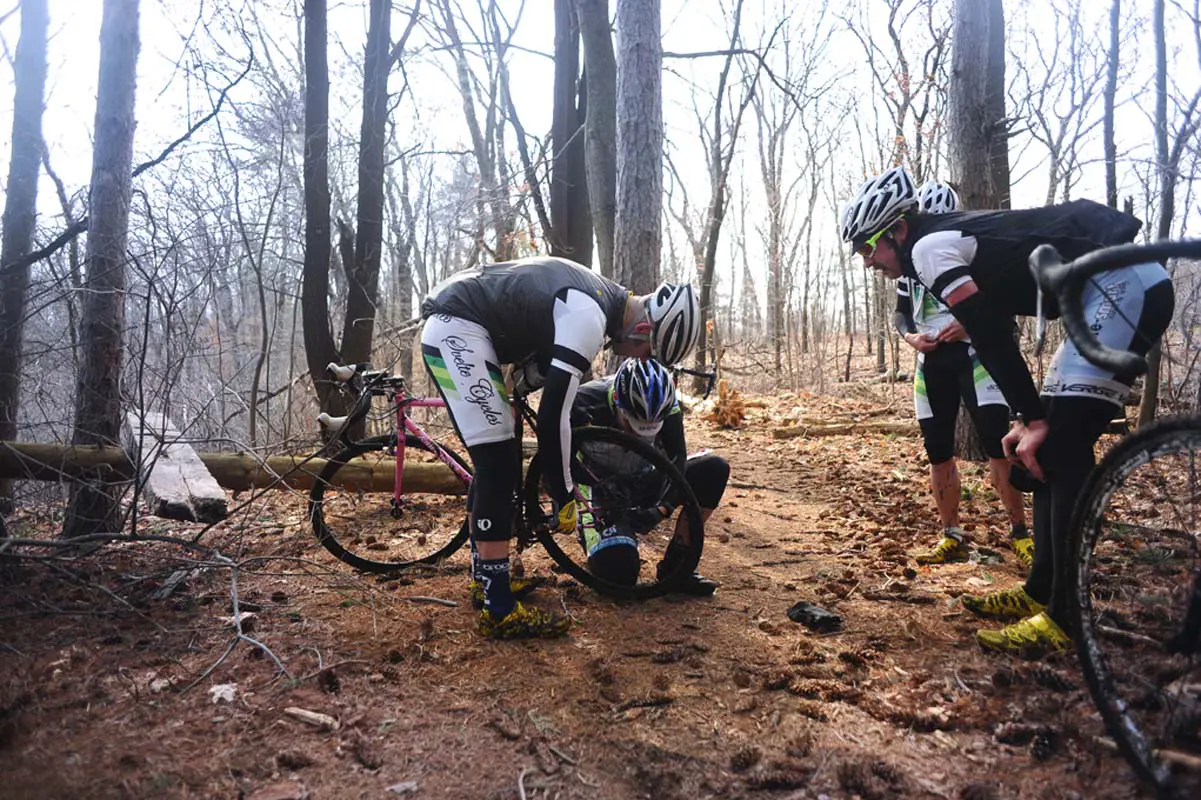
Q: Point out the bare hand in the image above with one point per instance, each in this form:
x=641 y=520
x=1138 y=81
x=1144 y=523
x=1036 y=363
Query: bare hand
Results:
x=920 y=342
x=952 y=333
x=1022 y=443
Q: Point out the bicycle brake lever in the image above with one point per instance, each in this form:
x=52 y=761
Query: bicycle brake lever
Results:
x=1040 y=340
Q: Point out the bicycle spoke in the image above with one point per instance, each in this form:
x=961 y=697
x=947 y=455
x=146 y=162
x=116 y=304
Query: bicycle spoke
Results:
x=620 y=482
x=1141 y=559
x=367 y=530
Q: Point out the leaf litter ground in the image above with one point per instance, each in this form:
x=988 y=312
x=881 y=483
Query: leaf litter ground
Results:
x=114 y=684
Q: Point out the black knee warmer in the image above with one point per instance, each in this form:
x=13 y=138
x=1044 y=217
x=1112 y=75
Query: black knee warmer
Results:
x=496 y=467
x=938 y=436
x=708 y=475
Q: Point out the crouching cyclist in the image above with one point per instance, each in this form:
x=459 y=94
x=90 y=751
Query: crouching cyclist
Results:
x=640 y=398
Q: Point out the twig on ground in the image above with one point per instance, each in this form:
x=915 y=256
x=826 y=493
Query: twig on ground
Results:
x=421 y=598
x=561 y=755
x=8 y=646
x=521 y=784
x=1129 y=636
x=644 y=702
x=229 y=649
x=309 y=676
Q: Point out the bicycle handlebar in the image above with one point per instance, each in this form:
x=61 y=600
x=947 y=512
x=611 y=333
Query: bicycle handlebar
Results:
x=1065 y=280
x=710 y=378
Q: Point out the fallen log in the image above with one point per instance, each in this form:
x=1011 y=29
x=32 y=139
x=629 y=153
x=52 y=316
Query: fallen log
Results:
x=847 y=429
x=1118 y=426
x=237 y=471
x=175 y=482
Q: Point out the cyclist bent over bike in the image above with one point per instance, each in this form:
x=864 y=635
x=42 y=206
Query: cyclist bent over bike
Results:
x=976 y=262
x=552 y=316
x=640 y=398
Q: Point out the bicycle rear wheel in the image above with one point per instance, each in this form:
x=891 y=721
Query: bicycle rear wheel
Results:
x=1139 y=563
x=621 y=476
x=361 y=528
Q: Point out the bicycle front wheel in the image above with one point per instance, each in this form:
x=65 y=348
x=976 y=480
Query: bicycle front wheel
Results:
x=618 y=478
x=1139 y=600
x=367 y=529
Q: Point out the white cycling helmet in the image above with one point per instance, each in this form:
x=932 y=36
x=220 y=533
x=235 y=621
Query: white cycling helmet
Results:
x=937 y=198
x=879 y=203
x=675 y=316
x=645 y=392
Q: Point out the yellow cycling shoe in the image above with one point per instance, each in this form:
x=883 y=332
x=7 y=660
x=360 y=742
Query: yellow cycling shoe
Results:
x=524 y=623
x=1011 y=603
x=1024 y=547
x=520 y=587
x=1031 y=638
x=946 y=551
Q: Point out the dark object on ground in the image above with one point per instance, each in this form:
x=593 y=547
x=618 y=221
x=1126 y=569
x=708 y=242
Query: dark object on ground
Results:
x=815 y=618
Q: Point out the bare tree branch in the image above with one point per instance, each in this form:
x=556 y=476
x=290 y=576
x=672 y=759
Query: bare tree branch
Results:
x=81 y=225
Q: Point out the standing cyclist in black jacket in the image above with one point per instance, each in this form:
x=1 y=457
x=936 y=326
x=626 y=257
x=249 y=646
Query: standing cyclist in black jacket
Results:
x=550 y=317
x=977 y=263
x=949 y=370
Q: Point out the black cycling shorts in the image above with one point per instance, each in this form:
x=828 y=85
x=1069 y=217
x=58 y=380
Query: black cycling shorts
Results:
x=947 y=375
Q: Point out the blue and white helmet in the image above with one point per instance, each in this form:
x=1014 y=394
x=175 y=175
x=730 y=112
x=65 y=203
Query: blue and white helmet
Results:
x=934 y=197
x=645 y=393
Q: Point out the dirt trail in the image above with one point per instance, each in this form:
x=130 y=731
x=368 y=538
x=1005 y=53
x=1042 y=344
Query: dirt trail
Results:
x=675 y=698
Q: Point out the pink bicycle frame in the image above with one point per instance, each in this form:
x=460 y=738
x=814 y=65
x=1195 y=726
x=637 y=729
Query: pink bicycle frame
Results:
x=405 y=424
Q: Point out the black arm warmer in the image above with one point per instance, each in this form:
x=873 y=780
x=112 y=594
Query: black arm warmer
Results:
x=672 y=436
x=554 y=415
x=902 y=318
x=992 y=336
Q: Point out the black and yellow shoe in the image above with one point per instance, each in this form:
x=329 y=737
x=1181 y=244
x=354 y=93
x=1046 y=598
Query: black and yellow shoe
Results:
x=524 y=623
x=1011 y=603
x=520 y=587
x=948 y=550
x=1033 y=637
x=1024 y=547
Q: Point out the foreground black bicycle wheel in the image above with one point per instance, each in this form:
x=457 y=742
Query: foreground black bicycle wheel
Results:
x=621 y=476
x=361 y=528
x=1139 y=561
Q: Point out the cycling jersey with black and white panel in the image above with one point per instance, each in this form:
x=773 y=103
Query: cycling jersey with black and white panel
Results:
x=546 y=311
x=992 y=250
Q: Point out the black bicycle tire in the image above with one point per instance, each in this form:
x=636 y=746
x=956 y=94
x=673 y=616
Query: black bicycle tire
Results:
x=329 y=539
x=688 y=505
x=1131 y=452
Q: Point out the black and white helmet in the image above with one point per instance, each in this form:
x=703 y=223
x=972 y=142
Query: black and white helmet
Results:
x=879 y=202
x=937 y=198
x=645 y=391
x=676 y=317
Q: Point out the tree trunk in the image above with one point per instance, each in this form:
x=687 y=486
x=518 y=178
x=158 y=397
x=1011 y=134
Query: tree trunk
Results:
x=976 y=105
x=20 y=215
x=1167 y=197
x=571 y=215
x=978 y=133
x=637 y=240
x=94 y=506
x=1111 y=90
x=720 y=157
x=362 y=277
x=406 y=253
x=600 y=128
x=319 y=346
